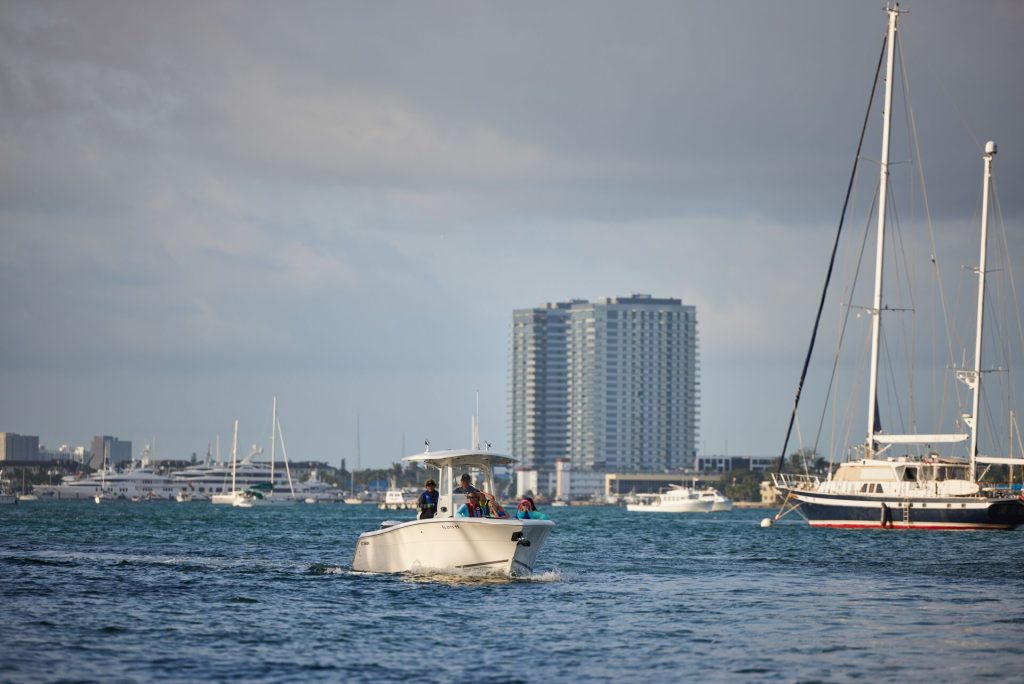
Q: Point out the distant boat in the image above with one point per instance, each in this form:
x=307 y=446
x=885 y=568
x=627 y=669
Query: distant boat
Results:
x=260 y=493
x=234 y=496
x=719 y=501
x=395 y=500
x=675 y=499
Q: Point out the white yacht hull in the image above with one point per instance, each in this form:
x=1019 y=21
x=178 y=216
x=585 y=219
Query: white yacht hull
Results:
x=691 y=506
x=499 y=546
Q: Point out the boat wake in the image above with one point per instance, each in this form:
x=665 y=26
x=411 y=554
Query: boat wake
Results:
x=321 y=569
x=448 y=576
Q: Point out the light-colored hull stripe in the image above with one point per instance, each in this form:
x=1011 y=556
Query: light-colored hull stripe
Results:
x=904 y=526
x=476 y=565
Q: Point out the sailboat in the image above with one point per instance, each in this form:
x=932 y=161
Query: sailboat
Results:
x=234 y=496
x=931 y=490
x=259 y=493
x=102 y=493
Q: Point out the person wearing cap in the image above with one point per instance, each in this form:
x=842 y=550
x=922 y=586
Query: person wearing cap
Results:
x=428 y=500
x=465 y=485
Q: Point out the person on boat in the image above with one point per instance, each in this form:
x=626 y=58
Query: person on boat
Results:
x=529 y=499
x=527 y=511
x=492 y=509
x=465 y=485
x=472 y=507
x=428 y=500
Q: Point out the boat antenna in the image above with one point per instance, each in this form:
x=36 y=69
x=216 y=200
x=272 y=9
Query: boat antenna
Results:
x=832 y=260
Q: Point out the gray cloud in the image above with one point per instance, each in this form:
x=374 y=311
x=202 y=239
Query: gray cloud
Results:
x=362 y=192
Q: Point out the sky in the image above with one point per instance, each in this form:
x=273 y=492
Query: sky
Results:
x=204 y=205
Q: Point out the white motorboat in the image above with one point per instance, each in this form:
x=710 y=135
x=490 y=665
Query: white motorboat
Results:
x=719 y=501
x=395 y=500
x=450 y=544
x=676 y=499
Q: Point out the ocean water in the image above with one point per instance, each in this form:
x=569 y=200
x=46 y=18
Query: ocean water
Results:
x=186 y=592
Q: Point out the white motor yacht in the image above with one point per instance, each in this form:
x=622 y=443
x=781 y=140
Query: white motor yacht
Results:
x=676 y=499
x=447 y=543
x=719 y=501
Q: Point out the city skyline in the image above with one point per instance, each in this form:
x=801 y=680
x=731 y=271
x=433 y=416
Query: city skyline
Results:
x=202 y=207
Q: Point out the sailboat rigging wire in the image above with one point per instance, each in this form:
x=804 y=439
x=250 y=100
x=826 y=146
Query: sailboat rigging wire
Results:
x=909 y=338
x=832 y=260
x=1009 y=262
x=846 y=320
x=912 y=126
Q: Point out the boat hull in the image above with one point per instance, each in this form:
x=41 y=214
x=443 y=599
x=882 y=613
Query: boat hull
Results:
x=692 y=506
x=948 y=513
x=445 y=545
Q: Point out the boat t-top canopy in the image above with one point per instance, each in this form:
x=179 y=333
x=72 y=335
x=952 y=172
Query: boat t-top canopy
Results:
x=456 y=458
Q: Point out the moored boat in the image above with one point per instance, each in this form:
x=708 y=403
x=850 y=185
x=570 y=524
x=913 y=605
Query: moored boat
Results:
x=920 y=488
x=719 y=502
x=675 y=499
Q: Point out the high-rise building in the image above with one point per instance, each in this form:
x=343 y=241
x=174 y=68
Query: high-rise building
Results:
x=610 y=385
x=15 y=447
x=110 y=451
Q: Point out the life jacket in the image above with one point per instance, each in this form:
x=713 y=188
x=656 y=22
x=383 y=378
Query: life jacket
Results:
x=474 y=511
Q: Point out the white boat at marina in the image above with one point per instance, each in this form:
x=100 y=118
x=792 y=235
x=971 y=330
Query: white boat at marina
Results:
x=918 y=480
x=140 y=483
x=315 y=490
x=675 y=499
x=263 y=491
x=719 y=502
x=395 y=499
x=446 y=543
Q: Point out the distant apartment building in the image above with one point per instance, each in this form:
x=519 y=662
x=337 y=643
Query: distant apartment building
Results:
x=110 y=451
x=15 y=447
x=610 y=386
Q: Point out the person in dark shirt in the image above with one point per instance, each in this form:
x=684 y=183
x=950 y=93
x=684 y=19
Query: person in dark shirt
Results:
x=428 y=500
x=465 y=485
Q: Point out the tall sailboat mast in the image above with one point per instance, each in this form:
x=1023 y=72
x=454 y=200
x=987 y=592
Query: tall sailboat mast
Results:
x=990 y=153
x=234 y=457
x=273 y=440
x=883 y=187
